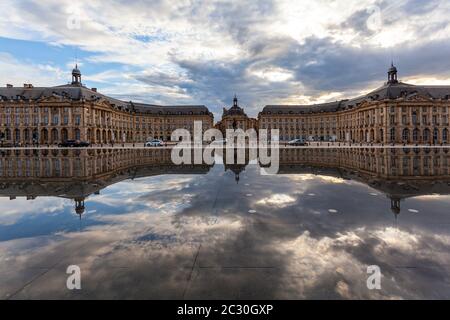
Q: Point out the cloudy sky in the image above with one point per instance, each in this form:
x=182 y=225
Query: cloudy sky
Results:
x=203 y=52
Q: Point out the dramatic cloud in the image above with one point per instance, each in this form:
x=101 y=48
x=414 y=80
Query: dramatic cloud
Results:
x=266 y=51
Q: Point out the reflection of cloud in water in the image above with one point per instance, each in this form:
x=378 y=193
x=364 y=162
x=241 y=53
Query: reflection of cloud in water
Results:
x=278 y=200
x=310 y=177
x=13 y=210
x=203 y=242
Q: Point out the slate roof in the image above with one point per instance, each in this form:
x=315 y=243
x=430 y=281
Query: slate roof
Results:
x=77 y=92
x=386 y=92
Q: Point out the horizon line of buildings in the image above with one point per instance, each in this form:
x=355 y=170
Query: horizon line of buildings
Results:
x=396 y=112
x=76 y=174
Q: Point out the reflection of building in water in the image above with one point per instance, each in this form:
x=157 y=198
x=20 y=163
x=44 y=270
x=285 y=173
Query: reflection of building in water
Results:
x=387 y=163
x=397 y=173
x=239 y=160
x=76 y=174
x=79 y=206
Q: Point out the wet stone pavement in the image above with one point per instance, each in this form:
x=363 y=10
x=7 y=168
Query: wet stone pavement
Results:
x=150 y=230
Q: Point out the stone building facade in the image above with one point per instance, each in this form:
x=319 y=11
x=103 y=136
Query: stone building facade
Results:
x=394 y=113
x=50 y=115
x=236 y=118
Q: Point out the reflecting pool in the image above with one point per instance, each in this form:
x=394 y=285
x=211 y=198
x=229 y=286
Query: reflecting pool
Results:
x=140 y=227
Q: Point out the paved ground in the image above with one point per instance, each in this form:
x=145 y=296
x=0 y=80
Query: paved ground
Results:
x=206 y=237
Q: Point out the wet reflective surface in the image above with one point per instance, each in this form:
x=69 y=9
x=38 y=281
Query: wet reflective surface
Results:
x=140 y=227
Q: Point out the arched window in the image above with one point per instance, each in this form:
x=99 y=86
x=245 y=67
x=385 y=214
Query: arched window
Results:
x=435 y=135
x=44 y=135
x=392 y=134
x=416 y=135
x=54 y=134
x=17 y=135
x=26 y=135
x=35 y=135
x=426 y=135
x=77 y=134
x=405 y=135
x=65 y=135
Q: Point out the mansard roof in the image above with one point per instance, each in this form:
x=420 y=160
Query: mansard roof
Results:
x=235 y=109
x=392 y=91
x=77 y=93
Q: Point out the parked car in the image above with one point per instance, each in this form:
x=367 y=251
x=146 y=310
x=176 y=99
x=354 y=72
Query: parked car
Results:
x=154 y=143
x=74 y=144
x=297 y=142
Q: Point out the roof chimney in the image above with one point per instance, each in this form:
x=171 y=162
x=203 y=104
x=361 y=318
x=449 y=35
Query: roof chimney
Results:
x=94 y=89
x=9 y=85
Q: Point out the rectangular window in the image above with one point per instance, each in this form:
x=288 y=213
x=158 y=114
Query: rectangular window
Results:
x=392 y=120
x=404 y=120
x=77 y=120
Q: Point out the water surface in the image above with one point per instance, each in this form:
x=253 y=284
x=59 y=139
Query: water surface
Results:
x=140 y=227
